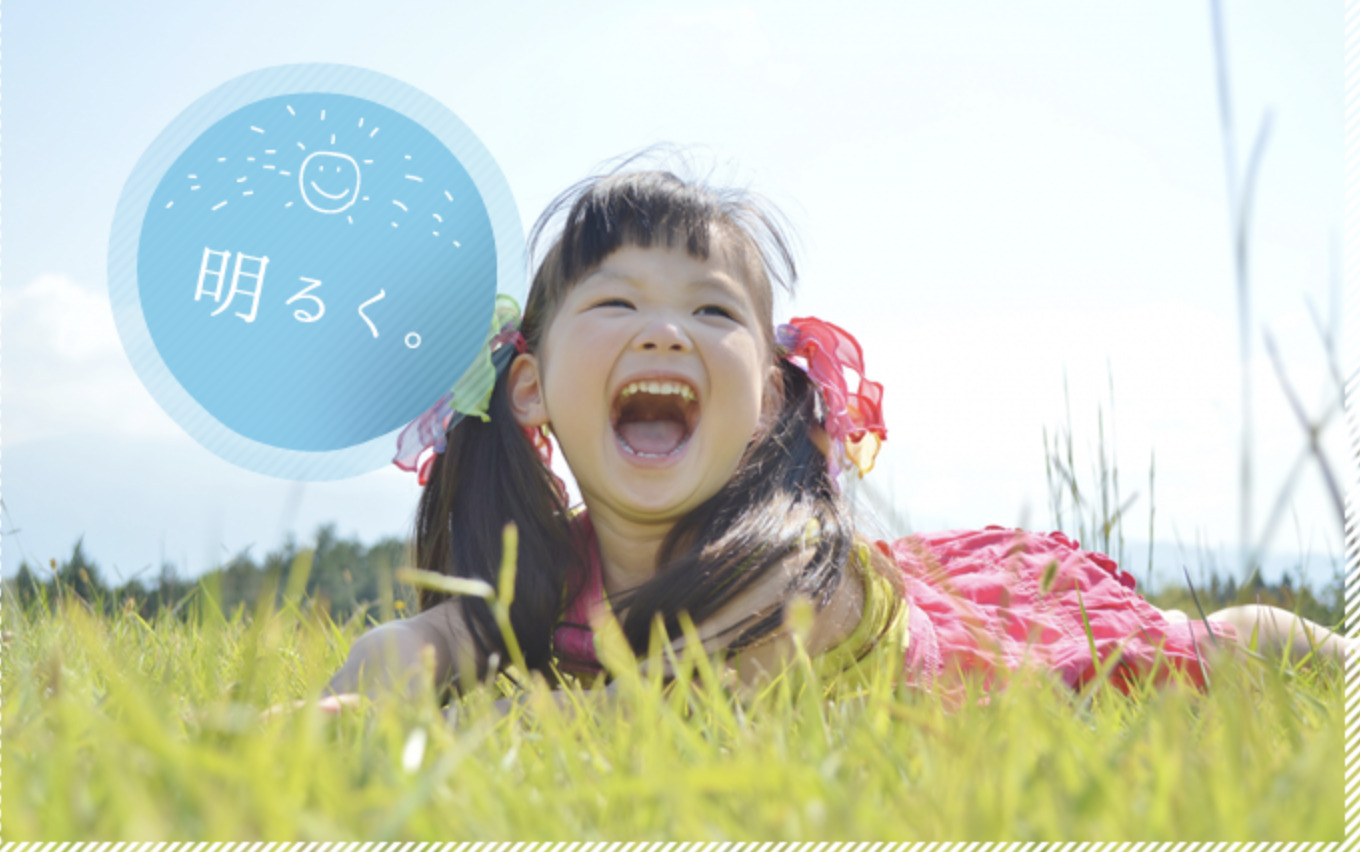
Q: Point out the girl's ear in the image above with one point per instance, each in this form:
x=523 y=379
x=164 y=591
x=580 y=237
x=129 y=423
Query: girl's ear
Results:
x=525 y=389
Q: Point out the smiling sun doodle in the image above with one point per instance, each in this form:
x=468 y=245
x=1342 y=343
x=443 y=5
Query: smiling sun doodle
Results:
x=330 y=181
x=343 y=175
x=312 y=268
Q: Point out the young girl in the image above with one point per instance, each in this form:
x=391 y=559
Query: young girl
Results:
x=706 y=445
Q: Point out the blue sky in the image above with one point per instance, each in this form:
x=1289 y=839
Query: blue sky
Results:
x=991 y=195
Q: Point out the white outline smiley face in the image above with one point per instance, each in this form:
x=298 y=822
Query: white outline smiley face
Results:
x=327 y=202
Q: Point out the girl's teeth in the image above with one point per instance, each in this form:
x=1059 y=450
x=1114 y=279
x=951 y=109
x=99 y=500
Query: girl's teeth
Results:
x=660 y=388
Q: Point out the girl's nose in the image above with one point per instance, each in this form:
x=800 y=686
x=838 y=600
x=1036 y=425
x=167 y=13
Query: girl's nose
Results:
x=662 y=335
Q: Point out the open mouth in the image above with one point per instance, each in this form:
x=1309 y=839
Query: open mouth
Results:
x=654 y=418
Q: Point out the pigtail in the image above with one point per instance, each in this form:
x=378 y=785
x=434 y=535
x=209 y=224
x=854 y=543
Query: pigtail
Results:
x=488 y=476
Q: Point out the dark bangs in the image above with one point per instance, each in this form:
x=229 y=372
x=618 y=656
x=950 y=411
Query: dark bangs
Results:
x=599 y=215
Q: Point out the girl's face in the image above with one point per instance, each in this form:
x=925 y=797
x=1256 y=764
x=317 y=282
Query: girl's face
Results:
x=652 y=375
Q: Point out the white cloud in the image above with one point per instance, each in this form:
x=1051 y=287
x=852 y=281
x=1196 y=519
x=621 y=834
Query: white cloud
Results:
x=64 y=367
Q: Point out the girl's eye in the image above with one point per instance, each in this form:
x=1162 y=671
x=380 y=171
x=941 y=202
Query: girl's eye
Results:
x=715 y=311
x=613 y=303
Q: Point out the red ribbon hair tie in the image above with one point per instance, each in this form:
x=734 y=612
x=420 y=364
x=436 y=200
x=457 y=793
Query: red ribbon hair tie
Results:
x=854 y=418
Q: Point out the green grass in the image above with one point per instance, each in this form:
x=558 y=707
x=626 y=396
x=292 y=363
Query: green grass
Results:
x=115 y=728
x=119 y=728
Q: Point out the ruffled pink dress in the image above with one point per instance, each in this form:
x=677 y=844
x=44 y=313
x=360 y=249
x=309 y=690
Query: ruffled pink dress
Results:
x=997 y=599
x=988 y=602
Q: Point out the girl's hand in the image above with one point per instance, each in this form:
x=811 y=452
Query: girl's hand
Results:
x=334 y=705
x=407 y=656
x=331 y=705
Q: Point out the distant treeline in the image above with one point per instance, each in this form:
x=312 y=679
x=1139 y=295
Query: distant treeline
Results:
x=347 y=576
x=1326 y=606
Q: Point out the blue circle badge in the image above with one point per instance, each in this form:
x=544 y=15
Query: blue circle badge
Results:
x=305 y=260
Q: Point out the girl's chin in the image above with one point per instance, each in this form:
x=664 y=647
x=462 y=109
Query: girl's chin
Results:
x=650 y=486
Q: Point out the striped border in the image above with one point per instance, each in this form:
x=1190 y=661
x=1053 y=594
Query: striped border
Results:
x=1351 y=364
x=2 y=621
x=673 y=846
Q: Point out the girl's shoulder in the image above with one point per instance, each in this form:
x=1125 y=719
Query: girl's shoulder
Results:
x=880 y=619
x=882 y=628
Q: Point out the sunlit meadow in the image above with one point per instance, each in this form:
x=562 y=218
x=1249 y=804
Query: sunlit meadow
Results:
x=116 y=728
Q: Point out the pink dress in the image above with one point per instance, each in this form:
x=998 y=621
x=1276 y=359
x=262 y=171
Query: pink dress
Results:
x=992 y=599
x=983 y=603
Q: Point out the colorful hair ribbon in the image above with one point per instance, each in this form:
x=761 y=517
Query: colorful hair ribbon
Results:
x=854 y=418
x=471 y=396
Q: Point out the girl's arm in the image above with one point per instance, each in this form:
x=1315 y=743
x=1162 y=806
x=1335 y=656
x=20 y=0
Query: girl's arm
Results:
x=393 y=656
x=1277 y=630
